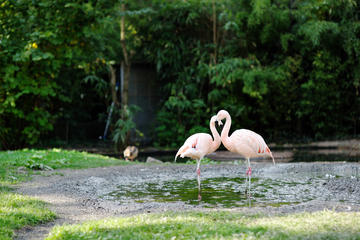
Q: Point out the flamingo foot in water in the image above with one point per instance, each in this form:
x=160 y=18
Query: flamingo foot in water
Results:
x=248 y=178
x=248 y=172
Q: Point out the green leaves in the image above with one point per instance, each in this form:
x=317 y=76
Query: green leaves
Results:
x=125 y=124
x=259 y=9
x=282 y=68
x=314 y=30
x=42 y=43
x=241 y=72
x=32 y=164
x=285 y=67
x=255 y=82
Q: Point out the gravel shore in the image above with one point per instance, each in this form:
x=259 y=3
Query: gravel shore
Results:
x=80 y=195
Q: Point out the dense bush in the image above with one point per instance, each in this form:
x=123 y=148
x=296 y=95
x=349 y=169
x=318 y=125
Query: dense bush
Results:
x=286 y=69
x=46 y=48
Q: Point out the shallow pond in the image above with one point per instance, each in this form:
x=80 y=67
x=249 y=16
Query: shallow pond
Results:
x=227 y=192
x=290 y=182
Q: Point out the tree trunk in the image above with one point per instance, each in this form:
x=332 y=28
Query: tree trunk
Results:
x=112 y=74
x=127 y=64
x=127 y=67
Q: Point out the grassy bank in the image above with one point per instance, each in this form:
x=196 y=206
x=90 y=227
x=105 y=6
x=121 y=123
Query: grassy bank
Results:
x=216 y=225
x=17 y=211
x=20 y=165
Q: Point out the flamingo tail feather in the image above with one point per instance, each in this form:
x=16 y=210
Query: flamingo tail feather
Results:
x=181 y=150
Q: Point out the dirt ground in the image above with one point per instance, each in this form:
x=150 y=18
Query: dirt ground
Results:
x=78 y=195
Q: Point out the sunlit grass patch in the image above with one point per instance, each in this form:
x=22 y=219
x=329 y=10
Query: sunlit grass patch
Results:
x=17 y=211
x=19 y=165
x=216 y=225
x=318 y=225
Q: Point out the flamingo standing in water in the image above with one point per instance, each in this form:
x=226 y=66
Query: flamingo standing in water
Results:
x=199 y=145
x=243 y=141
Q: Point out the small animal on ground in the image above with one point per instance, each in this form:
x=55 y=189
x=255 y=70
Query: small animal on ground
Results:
x=130 y=153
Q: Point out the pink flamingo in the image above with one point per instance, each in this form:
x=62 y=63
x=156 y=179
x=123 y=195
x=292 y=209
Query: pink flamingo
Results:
x=244 y=142
x=199 y=145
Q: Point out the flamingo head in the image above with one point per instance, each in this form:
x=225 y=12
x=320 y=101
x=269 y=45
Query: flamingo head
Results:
x=214 y=119
x=221 y=115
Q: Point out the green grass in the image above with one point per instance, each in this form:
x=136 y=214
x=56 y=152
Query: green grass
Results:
x=17 y=166
x=17 y=211
x=216 y=225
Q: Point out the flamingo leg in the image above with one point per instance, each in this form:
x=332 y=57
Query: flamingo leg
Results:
x=246 y=181
x=198 y=179
x=248 y=175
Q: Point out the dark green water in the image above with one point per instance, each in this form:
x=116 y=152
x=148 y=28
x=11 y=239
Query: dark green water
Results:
x=218 y=192
x=228 y=192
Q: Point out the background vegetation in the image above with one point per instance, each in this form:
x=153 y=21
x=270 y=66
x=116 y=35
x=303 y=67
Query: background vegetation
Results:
x=287 y=69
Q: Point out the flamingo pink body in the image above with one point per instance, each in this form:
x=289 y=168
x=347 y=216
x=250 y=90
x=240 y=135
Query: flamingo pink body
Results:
x=245 y=142
x=200 y=144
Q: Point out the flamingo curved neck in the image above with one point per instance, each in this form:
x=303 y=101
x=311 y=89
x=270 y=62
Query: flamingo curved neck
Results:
x=216 y=137
x=225 y=133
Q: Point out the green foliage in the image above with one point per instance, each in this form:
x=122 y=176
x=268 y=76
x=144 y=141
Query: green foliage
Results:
x=39 y=44
x=124 y=125
x=314 y=30
x=242 y=72
x=32 y=164
x=284 y=69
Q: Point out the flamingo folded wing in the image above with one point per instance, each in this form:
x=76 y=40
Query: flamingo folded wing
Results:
x=181 y=151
